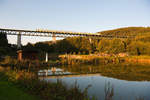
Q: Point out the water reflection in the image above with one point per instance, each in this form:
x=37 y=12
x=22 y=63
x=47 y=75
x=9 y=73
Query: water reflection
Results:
x=123 y=90
x=85 y=76
x=124 y=71
x=53 y=71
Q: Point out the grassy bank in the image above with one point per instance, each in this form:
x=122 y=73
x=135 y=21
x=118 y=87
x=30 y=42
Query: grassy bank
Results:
x=96 y=59
x=138 y=59
x=27 y=64
x=9 y=91
x=89 y=59
x=72 y=60
x=28 y=81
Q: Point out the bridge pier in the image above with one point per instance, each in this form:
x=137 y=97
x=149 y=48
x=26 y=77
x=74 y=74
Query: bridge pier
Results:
x=19 y=46
x=19 y=40
x=53 y=38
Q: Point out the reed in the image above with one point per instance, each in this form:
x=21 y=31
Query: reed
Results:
x=88 y=59
x=27 y=64
x=69 y=59
x=45 y=90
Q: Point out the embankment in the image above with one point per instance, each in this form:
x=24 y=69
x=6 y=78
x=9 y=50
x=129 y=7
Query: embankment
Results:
x=96 y=59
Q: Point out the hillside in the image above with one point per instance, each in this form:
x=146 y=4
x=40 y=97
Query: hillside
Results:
x=140 y=45
x=127 y=31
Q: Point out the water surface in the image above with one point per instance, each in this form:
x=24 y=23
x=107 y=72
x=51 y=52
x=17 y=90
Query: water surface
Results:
x=123 y=89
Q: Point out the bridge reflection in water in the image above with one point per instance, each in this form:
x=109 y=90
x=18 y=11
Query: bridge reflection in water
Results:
x=53 y=71
x=60 y=73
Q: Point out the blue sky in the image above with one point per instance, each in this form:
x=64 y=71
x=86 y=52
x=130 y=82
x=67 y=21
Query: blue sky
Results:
x=72 y=15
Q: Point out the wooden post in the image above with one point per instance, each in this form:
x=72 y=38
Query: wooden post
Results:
x=19 y=55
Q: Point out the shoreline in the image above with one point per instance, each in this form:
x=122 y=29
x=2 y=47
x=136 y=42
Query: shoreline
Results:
x=130 y=59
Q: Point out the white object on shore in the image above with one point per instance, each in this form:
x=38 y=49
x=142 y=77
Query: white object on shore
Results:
x=46 y=57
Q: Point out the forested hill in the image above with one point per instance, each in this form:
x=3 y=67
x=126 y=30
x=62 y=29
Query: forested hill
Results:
x=140 y=45
x=127 y=31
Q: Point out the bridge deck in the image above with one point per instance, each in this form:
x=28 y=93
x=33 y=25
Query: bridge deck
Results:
x=51 y=33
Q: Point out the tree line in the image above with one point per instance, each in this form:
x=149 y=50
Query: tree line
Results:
x=140 y=45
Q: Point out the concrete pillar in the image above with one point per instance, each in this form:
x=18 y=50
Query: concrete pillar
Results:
x=53 y=38
x=19 y=55
x=46 y=59
x=19 y=40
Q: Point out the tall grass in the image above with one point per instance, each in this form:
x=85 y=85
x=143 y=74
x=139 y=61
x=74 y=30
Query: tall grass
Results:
x=27 y=64
x=92 y=60
x=29 y=82
x=96 y=60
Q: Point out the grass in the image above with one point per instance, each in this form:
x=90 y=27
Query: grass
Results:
x=9 y=91
x=29 y=82
x=141 y=57
x=27 y=64
x=88 y=59
x=98 y=60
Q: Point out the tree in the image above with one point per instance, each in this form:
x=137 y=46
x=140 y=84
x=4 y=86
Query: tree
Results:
x=3 y=45
x=3 y=40
x=139 y=48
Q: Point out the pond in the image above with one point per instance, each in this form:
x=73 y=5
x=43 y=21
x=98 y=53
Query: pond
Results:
x=122 y=88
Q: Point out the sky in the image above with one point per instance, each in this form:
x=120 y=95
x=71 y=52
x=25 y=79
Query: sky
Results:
x=72 y=15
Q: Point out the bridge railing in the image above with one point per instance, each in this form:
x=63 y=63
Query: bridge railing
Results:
x=49 y=33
